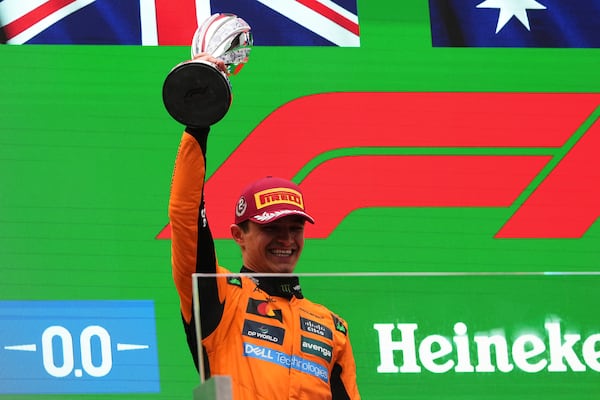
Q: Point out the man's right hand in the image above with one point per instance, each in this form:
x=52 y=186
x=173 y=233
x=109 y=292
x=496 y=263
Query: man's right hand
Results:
x=217 y=61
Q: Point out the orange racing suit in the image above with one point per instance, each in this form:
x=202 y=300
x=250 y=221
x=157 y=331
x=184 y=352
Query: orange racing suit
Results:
x=273 y=343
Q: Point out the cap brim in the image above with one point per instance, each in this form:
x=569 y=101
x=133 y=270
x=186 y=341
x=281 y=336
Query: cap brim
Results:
x=267 y=217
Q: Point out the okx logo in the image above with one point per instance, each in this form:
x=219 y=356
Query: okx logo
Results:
x=536 y=152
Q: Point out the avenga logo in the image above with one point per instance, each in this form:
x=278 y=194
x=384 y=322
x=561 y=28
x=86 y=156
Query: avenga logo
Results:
x=554 y=351
x=536 y=152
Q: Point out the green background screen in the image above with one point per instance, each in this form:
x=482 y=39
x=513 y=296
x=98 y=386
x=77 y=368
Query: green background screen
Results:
x=86 y=156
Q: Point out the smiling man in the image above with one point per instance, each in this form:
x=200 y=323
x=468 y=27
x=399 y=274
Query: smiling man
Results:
x=258 y=329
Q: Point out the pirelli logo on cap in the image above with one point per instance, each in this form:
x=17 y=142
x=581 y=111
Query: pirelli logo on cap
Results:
x=274 y=196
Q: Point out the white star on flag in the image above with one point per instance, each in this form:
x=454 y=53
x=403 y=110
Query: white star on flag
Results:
x=512 y=8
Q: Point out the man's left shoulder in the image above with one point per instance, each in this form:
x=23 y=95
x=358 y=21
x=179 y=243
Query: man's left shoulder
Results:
x=332 y=318
x=339 y=323
x=321 y=313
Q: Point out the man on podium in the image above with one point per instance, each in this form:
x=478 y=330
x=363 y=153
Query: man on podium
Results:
x=256 y=326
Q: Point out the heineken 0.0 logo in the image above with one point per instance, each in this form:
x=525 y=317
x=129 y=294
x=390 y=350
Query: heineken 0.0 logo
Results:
x=402 y=350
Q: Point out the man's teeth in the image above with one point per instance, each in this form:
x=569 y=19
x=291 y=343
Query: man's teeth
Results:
x=281 y=253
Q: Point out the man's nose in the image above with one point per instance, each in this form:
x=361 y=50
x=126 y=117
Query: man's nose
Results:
x=285 y=235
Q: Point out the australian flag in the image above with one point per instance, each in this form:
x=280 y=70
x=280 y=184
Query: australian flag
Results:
x=515 y=23
x=173 y=22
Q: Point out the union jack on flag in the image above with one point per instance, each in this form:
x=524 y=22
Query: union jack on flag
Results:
x=168 y=22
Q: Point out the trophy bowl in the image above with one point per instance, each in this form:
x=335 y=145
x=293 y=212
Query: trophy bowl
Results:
x=196 y=92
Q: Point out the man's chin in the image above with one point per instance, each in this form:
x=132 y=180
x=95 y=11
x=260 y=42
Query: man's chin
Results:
x=283 y=268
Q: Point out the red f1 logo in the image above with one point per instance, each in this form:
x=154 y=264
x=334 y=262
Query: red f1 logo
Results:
x=428 y=150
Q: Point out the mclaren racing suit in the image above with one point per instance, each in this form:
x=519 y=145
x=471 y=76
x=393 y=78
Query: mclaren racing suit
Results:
x=273 y=343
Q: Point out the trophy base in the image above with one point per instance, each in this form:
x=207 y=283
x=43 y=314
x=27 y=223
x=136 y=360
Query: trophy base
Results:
x=196 y=93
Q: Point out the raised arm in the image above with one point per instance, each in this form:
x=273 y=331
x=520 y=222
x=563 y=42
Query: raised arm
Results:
x=192 y=246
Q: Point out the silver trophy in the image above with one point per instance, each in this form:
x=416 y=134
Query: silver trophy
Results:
x=196 y=92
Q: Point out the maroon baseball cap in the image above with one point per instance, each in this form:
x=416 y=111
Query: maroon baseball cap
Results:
x=269 y=199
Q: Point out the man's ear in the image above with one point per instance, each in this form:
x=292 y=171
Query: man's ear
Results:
x=237 y=234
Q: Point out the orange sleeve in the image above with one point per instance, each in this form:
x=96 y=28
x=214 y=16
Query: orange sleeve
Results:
x=184 y=212
x=348 y=372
